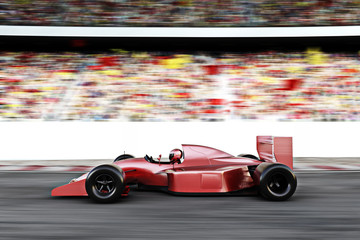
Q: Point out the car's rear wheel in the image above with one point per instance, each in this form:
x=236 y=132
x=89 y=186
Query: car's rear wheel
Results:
x=105 y=183
x=123 y=156
x=248 y=156
x=277 y=182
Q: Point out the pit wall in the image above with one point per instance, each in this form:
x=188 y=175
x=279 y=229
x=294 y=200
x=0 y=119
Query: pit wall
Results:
x=106 y=140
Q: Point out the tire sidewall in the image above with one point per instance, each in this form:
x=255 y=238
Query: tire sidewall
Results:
x=248 y=156
x=268 y=173
x=123 y=157
x=115 y=173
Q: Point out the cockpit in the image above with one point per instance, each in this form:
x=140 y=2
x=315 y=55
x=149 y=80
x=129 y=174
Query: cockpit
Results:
x=150 y=159
x=175 y=156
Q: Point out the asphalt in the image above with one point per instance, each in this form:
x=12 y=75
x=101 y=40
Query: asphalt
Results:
x=326 y=205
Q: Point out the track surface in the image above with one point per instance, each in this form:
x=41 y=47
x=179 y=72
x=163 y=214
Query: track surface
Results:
x=325 y=206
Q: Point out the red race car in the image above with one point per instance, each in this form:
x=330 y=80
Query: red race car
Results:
x=194 y=170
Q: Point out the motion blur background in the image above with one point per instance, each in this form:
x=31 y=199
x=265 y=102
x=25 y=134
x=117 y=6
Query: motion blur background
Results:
x=65 y=93
x=82 y=81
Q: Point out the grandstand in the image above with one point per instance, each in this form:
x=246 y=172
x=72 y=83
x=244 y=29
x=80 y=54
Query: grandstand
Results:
x=180 y=13
x=178 y=79
x=155 y=86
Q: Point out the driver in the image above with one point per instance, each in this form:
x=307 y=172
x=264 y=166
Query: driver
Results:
x=175 y=156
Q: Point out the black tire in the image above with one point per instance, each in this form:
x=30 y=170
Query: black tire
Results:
x=123 y=156
x=105 y=183
x=277 y=182
x=248 y=156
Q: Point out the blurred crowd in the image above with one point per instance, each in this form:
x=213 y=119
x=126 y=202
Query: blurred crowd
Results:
x=163 y=86
x=190 y=13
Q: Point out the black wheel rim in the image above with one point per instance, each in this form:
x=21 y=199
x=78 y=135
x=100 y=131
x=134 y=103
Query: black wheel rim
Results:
x=278 y=184
x=104 y=186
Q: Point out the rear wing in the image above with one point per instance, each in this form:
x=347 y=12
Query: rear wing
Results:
x=275 y=149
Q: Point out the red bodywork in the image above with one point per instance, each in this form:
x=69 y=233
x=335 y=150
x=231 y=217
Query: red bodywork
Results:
x=203 y=170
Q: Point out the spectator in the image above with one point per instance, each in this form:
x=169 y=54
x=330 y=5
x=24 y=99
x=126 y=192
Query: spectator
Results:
x=154 y=86
x=175 y=13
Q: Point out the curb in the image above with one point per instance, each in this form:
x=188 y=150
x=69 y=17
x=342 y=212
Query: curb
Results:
x=42 y=168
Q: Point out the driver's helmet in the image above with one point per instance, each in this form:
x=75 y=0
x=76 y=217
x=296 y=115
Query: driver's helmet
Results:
x=175 y=155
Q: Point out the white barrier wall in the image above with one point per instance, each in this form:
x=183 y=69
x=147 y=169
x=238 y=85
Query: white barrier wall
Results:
x=43 y=31
x=106 y=140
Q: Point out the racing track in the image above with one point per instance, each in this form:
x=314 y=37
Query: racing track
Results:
x=325 y=206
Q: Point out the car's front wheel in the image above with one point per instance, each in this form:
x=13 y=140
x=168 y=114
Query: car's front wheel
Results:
x=123 y=156
x=105 y=183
